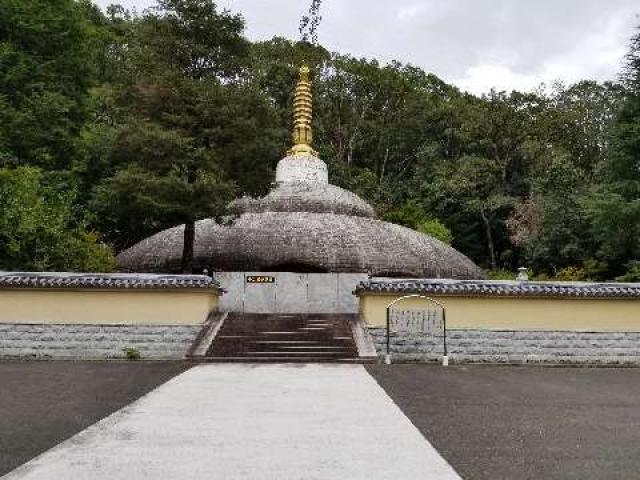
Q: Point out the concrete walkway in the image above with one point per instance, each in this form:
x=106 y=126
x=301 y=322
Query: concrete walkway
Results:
x=232 y=421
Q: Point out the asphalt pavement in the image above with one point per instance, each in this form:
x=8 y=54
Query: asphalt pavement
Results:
x=487 y=422
x=250 y=422
x=519 y=423
x=43 y=403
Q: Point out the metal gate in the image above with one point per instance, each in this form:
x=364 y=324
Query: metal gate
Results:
x=428 y=321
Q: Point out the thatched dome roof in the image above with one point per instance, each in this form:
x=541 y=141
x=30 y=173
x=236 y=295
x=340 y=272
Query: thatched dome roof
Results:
x=306 y=197
x=303 y=241
x=303 y=224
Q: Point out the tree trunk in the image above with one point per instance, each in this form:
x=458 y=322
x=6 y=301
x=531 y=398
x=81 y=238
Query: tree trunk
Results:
x=187 y=249
x=384 y=165
x=491 y=248
x=189 y=236
x=350 y=151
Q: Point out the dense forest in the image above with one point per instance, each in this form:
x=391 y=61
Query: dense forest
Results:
x=116 y=125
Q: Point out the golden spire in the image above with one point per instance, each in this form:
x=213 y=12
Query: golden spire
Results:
x=302 y=114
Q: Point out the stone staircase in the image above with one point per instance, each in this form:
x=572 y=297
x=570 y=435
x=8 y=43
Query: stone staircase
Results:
x=251 y=337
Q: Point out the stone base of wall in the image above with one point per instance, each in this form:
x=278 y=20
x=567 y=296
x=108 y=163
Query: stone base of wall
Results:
x=95 y=341
x=515 y=347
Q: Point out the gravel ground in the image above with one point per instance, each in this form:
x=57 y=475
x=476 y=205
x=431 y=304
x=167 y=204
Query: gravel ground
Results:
x=520 y=423
x=43 y=403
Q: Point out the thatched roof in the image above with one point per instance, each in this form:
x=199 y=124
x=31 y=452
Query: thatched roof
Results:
x=306 y=197
x=273 y=241
x=303 y=224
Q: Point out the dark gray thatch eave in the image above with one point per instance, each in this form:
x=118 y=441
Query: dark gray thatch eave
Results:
x=489 y=288
x=328 y=242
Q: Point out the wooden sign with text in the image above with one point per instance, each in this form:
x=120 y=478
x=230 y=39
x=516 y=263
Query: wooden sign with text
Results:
x=261 y=279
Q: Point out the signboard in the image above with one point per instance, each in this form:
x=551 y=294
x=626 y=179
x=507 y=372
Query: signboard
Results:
x=260 y=279
x=416 y=321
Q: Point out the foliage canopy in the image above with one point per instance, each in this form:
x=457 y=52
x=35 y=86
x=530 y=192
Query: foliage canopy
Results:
x=124 y=124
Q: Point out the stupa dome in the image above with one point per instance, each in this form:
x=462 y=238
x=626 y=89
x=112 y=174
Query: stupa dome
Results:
x=304 y=224
x=303 y=241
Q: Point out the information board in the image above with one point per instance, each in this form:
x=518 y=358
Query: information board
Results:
x=260 y=279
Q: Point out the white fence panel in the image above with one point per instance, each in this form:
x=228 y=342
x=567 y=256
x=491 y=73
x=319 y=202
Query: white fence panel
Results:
x=290 y=292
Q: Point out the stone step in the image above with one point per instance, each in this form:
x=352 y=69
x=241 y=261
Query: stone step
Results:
x=310 y=347
x=284 y=337
x=285 y=342
x=293 y=332
x=308 y=353
x=283 y=359
x=287 y=324
x=281 y=349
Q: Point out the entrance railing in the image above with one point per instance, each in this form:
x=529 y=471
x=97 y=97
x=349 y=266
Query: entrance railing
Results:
x=425 y=321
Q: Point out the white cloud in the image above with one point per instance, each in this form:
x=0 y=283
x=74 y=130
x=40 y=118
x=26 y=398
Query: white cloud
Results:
x=595 y=55
x=138 y=5
x=480 y=79
x=475 y=44
x=407 y=13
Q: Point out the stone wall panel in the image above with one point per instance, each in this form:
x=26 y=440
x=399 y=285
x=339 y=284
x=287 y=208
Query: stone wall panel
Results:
x=487 y=346
x=95 y=341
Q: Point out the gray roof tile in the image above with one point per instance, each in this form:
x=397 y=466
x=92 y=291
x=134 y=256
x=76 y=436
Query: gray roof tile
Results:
x=502 y=288
x=104 y=281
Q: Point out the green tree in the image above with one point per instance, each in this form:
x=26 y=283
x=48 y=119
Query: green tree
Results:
x=550 y=225
x=37 y=230
x=475 y=185
x=413 y=216
x=632 y=274
x=577 y=118
x=614 y=203
x=47 y=53
x=188 y=125
x=436 y=229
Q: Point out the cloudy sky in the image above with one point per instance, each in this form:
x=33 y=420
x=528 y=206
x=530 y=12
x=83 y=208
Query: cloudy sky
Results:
x=475 y=44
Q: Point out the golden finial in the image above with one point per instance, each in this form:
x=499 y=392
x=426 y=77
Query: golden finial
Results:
x=302 y=114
